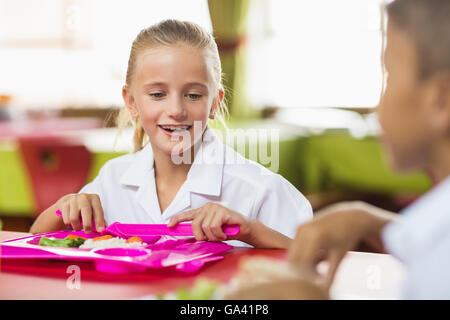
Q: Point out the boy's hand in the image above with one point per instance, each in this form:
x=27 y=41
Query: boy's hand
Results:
x=280 y=290
x=84 y=206
x=334 y=231
x=207 y=222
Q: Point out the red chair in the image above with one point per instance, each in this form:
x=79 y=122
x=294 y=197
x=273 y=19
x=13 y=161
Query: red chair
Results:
x=55 y=167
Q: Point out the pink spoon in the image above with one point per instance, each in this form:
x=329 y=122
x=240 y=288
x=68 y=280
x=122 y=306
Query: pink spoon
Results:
x=147 y=230
x=181 y=230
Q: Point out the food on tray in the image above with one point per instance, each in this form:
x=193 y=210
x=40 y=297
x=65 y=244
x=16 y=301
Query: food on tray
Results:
x=106 y=241
x=105 y=237
x=66 y=242
x=74 y=236
x=110 y=242
x=134 y=239
x=135 y=253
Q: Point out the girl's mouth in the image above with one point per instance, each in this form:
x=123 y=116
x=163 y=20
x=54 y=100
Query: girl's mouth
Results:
x=174 y=129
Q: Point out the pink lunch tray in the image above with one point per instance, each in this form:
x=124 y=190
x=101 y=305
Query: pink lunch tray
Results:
x=183 y=254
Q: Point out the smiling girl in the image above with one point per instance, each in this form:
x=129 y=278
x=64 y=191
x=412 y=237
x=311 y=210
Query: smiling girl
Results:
x=173 y=86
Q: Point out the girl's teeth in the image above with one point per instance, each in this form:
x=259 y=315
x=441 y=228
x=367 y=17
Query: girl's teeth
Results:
x=175 y=129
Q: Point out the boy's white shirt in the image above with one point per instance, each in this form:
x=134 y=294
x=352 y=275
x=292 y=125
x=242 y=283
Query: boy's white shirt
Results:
x=420 y=238
x=127 y=190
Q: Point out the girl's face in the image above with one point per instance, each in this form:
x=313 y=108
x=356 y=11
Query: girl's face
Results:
x=172 y=89
x=403 y=114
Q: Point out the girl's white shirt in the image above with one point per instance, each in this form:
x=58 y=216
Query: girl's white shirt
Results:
x=127 y=190
x=420 y=238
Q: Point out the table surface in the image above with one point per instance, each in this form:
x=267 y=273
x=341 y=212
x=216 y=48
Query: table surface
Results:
x=360 y=276
x=45 y=128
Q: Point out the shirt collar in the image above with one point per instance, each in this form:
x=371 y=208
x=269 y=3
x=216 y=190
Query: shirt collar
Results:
x=139 y=168
x=204 y=176
x=206 y=173
x=422 y=225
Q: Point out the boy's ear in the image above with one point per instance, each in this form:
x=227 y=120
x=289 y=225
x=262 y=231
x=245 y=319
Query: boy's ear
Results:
x=216 y=105
x=128 y=98
x=439 y=98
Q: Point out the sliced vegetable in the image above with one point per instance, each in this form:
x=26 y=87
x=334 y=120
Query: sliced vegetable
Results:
x=105 y=237
x=134 y=239
x=78 y=241
x=65 y=243
x=74 y=236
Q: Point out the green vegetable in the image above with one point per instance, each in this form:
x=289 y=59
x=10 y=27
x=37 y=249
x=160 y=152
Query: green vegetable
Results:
x=66 y=243
x=78 y=242
x=203 y=289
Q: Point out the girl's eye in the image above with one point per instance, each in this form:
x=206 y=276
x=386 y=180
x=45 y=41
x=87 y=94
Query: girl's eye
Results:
x=157 y=95
x=194 y=96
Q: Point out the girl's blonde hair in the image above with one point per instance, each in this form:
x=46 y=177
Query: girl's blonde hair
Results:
x=169 y=33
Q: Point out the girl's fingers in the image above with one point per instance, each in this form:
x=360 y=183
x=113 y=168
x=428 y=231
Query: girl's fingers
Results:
x=65 y=211
x=216 y=226
x=197 y=227
x=74 y=215
x=99 y=216
x=206 y=226
x=184 y=216
x=86 y=216
x=81 y=211
x=85 y=209
x=207 y=222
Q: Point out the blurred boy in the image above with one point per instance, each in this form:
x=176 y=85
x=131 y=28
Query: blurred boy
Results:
x=414 y=113
x=415 y=116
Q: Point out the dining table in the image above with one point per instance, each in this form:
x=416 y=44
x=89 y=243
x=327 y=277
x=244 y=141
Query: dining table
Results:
x=361 y=276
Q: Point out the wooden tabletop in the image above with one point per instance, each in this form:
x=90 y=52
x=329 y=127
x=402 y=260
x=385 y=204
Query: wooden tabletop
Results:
x=360 y=276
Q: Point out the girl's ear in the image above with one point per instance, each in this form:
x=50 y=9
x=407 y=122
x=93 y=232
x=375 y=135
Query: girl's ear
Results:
x=128 y=98
x=216 y=105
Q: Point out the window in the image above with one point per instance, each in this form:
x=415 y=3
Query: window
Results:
x=57 y=53
x=315 y=53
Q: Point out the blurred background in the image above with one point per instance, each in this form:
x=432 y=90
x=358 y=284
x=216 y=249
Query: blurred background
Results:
x=310 y=69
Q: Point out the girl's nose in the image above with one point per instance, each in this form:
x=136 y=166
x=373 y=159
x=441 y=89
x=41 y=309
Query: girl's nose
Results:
x=176 y=110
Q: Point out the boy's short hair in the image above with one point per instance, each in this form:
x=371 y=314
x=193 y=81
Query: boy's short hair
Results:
x=428 y=24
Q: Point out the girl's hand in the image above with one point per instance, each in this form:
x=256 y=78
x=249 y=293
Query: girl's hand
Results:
x=84 y=206
x=207 y=222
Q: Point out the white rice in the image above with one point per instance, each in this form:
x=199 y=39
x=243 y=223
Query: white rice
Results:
x=110 y=243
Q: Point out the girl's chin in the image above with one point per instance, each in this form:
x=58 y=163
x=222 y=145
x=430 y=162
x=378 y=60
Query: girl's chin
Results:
x=176 y=151
x=175 y=148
